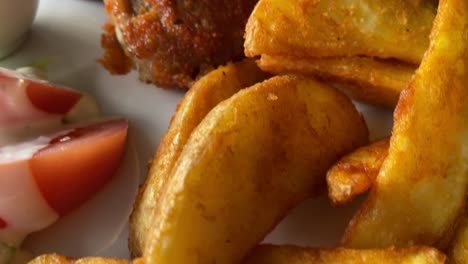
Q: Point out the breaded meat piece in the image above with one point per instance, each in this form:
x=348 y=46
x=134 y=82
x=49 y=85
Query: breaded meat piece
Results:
x=170 y=42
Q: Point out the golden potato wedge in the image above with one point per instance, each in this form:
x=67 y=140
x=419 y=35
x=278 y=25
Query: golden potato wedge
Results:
x=377 y=82
x=458 y=253
x=206 y=93
x=421 y=188
x=355 y=173
x=340 y=41
x=58 y=259
x=253 y=158
x=269 y=254
x=340 y=28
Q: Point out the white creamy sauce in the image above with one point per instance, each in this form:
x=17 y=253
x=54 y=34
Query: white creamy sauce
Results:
x=15 y=104
x=25 y=150
x=22 y=205
x=22 y=151
x=20 y=120
x=21 y=132
x=16 y=109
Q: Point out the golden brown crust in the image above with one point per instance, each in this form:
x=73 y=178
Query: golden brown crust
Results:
x=458 y=253
x=370 y=80
x=355 y=173
x=114 y=58
x=330 y=28
x=253 y=158
x=204 y=95
x=353 y=42
x=58 y=259
x=421 y=188
x=173 y=42
x=269 y=254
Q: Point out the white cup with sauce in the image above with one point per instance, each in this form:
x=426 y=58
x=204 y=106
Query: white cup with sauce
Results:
x=16 y=18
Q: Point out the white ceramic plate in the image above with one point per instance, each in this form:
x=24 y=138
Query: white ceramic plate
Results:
x=68 y=33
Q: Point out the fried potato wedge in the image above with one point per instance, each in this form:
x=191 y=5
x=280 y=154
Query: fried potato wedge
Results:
x=355 y=173
x=58 y=259
x=340 y=28
x=421 y=188
x=341 y=41
x=206 y=93
x=269 y=254
x=373 y=81
x=253 y=158
x=459 y=250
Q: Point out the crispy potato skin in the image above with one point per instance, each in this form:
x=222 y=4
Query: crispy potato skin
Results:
x=355 y=173
x=421 y=189
x=252 y=159
x=458 y=253
x=270 y=254
x=205 y=94
x=369 y=80
x=172 y=42
x=343 y=42
x=330 y=28
x=58 y=259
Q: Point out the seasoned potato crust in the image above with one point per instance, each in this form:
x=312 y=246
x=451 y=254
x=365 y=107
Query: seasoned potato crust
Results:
x=204 y=95
x=355 y=173
x=252 y=159
x=420 y=191
x=58 y=259
x=269 y=254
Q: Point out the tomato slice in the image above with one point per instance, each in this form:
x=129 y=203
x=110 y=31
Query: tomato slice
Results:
x=3 y=223
x=43 y=95
x=51 y=99
x=74 y=166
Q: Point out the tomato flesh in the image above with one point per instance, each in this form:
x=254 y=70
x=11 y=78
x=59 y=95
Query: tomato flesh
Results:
x=3 y=223
x=51 y=99
x=43 y=95
x=74 y=166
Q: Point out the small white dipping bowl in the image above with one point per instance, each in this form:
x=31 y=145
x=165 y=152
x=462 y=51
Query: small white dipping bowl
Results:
x=16 y=17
